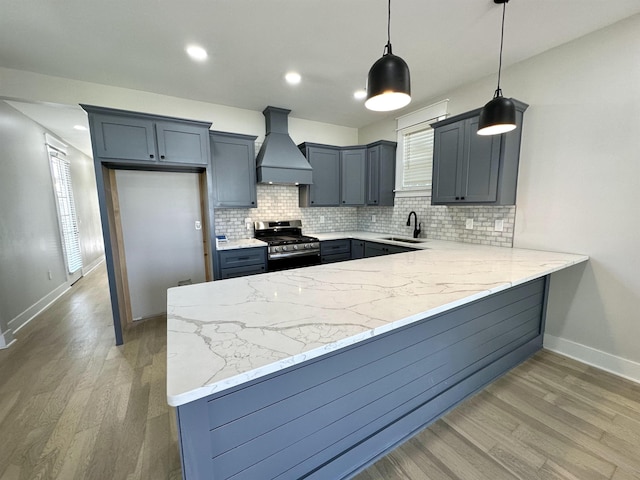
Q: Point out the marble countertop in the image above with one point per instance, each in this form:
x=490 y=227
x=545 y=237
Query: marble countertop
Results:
x=222 y=334
x=241 y=243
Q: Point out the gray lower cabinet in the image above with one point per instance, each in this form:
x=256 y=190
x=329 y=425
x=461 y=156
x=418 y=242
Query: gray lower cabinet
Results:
x=352 y=176
x=242 y=261
x=335 y=250
x=375 y=249
x=357 y=249
x=381 y=173
x=121 y=136
x=328 y=417
x=472 y=169
x=325 y=190
x=233 y=162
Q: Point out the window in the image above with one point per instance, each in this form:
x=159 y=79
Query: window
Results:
x=414 y=155
x=68 y=221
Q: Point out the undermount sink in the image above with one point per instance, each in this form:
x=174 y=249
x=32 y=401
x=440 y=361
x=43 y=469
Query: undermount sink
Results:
x=405 y=240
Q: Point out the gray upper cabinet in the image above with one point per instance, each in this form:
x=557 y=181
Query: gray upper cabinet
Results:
x=124 y=138
x=325 y=190
x=352 y=178
x=182 y=143
x=233 y=162
x=381 y=173
x=121 y=136
x=472 y=169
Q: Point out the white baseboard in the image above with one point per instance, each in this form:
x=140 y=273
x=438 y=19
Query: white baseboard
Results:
x=596 y=358
x=93 y=265
x=6 y=339
x=25 y=317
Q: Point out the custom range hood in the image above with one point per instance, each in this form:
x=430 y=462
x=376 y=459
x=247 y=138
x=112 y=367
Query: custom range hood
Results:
x=279 y=159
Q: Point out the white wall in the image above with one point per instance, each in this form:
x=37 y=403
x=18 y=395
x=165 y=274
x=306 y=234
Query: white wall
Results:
x=30 y=244
x=578 y=185
x=44 y=88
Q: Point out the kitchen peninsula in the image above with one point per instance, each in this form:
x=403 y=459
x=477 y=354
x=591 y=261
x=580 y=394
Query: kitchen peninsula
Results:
x=315 y=372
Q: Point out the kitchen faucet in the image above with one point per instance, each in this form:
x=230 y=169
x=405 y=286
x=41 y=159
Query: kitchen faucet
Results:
x=416 y=226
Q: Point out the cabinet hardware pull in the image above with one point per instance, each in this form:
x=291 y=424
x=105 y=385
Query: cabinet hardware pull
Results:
x=253 y=203
x=243 y=258
x=461 y=198
x=151 y=155
x=162 y=157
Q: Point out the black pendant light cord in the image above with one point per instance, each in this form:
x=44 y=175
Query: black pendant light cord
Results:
x=387 y=48
x=498 y=92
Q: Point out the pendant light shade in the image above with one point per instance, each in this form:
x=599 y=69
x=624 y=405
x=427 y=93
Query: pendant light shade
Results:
x=388 y=83
x=499 y=115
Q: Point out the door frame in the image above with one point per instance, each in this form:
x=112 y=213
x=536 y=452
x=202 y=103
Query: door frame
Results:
x=113 y=237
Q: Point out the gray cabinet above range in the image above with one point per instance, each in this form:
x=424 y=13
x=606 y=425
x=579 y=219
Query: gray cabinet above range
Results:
x=233 y=163
x=121 y=136
x=472 y=169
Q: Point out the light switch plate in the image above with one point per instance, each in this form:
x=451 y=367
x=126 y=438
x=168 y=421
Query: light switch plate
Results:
x=198 y=225
x=499 y=226
x=469 y=224
x=321 y=218
x=373 y=219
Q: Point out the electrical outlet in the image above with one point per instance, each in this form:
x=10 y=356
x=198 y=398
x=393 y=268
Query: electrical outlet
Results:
x=321 y=218
x=247 y=223
x=198 y=225
x=373 y=219
x=469 y=224
x=499 y=226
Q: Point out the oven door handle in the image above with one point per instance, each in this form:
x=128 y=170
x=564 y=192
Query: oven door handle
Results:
x=301 y=253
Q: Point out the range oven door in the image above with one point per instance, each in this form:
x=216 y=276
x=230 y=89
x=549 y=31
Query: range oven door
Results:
x=296 y=261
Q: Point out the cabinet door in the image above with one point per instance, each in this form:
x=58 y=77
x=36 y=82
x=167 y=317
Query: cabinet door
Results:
x=124 y=138
x=182 y=143
x=353 y=169
x=373 y=249
x=357 y=249
x=234 y=172
x=373 y=175
x=387 y=175
x=480 y=166
x=448 y=149
x=325 y=191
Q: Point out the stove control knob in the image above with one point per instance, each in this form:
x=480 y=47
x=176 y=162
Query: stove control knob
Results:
x=284 y=249
x=295 y=247
x=276 y=249
x=307 y=245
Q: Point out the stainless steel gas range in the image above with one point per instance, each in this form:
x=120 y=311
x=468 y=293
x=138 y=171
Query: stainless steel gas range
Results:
x=288 y=248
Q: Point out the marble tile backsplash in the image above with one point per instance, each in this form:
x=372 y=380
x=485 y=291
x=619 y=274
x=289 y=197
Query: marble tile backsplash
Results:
x=280 y=202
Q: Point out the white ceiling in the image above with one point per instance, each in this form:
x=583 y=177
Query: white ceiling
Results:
x=252 y=43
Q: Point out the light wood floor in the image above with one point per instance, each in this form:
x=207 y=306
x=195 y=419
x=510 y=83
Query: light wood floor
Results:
x=74 y=406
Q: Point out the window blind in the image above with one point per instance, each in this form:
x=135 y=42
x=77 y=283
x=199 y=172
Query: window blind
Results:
x=61 y=171
x=418 y=158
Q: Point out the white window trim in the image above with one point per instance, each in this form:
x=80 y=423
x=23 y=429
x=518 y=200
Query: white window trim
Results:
x=407 y=124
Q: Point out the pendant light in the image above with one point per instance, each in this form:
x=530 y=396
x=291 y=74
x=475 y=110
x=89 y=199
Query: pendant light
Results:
x=499 y=115
x=388 y=83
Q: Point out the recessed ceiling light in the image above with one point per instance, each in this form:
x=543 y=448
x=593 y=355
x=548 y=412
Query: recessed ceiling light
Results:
x=293 y=78
x=360 y=94
x=197 y=53
x=80 y=127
